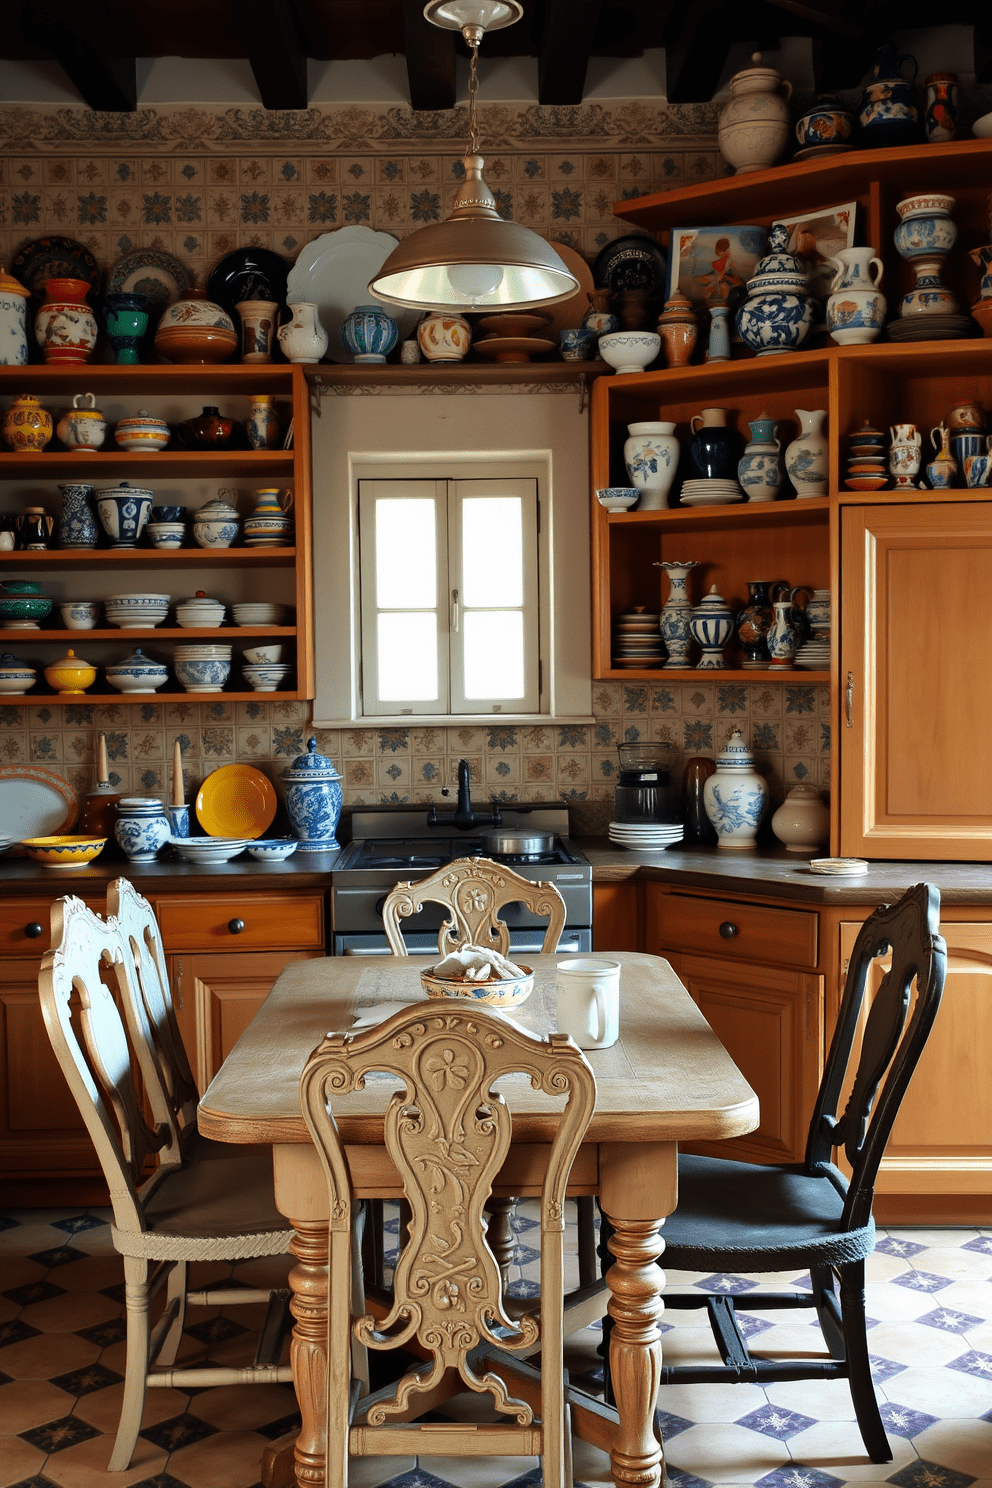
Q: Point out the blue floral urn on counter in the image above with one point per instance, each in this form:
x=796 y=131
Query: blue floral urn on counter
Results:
x=313 y=800
x=735 y=796
x=141 y=828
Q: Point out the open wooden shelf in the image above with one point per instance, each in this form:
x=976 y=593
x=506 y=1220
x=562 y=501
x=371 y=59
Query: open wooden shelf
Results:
x=165 y=558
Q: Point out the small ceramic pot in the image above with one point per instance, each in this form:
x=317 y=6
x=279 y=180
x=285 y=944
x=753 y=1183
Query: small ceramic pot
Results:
x=195 y=330
x=80 y=614
x=178 y=819
x=143 y=433
x=577 y=344
x=262 y=423
x=123 y=513
x=259 y=321
x=216 y=524
x=22 y=606
x=70 y=674
x=825 y=124
x=136 y=673
x=65 y=326
x=200 y=611
x=978 y=471
x=210 y=429
x=27 y=427
x=444 y=337
x=167 y=535
x=83 y=428
x=369 y=333
x=141 y=828
x=313 y=800
x=678 y=327
x=711 y=624
x=15 y=676
x=168 y=514
x=303 y=338
x=802 y=821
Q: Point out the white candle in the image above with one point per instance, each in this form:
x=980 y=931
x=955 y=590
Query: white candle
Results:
x=178 y=798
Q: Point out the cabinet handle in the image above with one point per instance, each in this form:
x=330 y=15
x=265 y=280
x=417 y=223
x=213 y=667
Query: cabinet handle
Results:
x=33 y=930
x=235 y=926
x=849 y=701
x=728 y=930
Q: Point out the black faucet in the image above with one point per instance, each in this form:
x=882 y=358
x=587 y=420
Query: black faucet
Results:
x=463 y=817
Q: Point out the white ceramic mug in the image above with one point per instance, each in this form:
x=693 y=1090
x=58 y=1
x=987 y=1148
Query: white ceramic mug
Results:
x=589 y=1000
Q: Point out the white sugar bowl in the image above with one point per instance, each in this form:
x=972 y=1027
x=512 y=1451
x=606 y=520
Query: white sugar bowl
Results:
x=217 y=524
x=201 y=610
x=136 y=673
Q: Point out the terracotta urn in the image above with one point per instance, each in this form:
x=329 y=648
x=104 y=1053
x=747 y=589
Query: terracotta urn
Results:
x=678 y=327
x=65 y=326
x=195 y=330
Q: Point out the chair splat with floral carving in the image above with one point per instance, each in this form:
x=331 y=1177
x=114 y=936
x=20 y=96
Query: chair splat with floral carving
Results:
x=474 y=890
x=448 y=1133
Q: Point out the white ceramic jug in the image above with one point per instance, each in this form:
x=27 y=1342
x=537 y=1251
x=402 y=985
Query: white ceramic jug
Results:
x=588 y=990
x=303 y=339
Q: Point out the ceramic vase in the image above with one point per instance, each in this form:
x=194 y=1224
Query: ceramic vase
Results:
x=83 y=427
x=195 y=331
x=678 y=328
x=27 y=427
x=754 y=622
x=778 y=312
x=735 y=796
x=754 y=122
x=802 y=822
x=718 y=346
x=827 y=126
x=785 y=634
x=651 y=454
x=124 y=513
x=13 y=321
x=209 y=429
x=713 y=448
x=924 y=237
x=178 y=819
x=34 y=528
x=444 y=336
x=889 y=114
x=905 y=454
x=78 y=526
x=943 y=101
x=141 y=828
x=856 y=308
x=126 y=319
x=268 y=526
x=369 y=333
x=676 y=613
x=65 y=327
x=313 y=800
x=712 y=624
x=259 y=322
x=262 y=423
x=806 y=457
x=760 y=470
x=303 y=338
x=942 y=471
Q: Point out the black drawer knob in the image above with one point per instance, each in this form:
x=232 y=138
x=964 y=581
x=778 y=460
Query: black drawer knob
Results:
x=235 y=926
x=728 y=930
x=33 y=930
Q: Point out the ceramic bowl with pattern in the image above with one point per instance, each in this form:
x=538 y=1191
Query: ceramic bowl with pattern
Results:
x=80 y=614
x=131 y=611
x=64 y=851
x=618 y=498
x=137 y=673
x=202 y=676
x=23 y=611
x=506 y=993
x=265 y=678
x=262 y=655
x=166 y=534
x=629 y=351
x=168 y=514
x=15 y=676
x=272 y=849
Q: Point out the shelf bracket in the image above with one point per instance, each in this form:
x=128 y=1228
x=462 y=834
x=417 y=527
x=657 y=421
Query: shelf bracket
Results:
x=317 y=388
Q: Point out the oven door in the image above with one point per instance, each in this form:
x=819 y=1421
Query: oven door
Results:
x=424 y=943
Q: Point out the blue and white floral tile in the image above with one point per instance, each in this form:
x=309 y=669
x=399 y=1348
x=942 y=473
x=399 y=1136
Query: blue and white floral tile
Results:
x=502 y=771
x=801 y=769
x=253 y=741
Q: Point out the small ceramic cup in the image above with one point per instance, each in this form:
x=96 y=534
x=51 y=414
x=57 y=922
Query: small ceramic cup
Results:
x=978 y=470
x=578 y=344
x=588 y=1000
x=80 y=614
x=410 y=353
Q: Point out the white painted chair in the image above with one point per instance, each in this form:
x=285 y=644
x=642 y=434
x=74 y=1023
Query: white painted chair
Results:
x=448 y=1132
x=213 y=1204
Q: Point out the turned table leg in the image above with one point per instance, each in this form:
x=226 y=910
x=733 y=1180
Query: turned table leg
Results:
x=301 y=1194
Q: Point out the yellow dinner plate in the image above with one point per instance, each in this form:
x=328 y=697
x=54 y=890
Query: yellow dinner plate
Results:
x=236 y=801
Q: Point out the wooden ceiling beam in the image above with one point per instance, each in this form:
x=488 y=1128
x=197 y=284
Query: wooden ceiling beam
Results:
x=697 y=54
x=92 y=50
x=430 y=60
x=275 y=52
x=565 y=48
x=983 y=49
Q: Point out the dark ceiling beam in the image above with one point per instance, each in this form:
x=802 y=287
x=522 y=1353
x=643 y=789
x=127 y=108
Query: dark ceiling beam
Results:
x=983 y=49
x=696 y=55
x=565 y=48
x=823 y=15
x=271 y=37
x=430 y=60
x=841 y=61
x=92 y=51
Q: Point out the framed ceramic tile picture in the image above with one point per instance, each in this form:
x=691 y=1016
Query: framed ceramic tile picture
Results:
x=711 y=265
x=815 y=236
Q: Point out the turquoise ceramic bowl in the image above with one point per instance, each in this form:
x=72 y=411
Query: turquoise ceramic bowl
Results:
x=23 y=609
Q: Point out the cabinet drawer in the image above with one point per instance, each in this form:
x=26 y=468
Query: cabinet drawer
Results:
x=744 y=932
x=19 y=919
x=242 y=922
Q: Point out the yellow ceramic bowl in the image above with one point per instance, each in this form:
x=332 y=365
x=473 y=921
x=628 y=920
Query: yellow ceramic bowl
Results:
x=63 y=852
x=502 y=994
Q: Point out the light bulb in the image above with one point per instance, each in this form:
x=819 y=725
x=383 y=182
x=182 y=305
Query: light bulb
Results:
x=474 y=281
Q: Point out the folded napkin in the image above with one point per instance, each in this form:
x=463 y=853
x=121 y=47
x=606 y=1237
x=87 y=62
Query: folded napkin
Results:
x=378 y=1012
x=477 y=964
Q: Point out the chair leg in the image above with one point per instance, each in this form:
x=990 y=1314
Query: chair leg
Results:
x=175 y=1296
x=605 y=1262
x=500 y=1237
x=852 y=1306
x=136 y=1367
x=824 y=1294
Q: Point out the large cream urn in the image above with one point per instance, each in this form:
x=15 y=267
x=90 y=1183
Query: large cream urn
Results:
x=754 y=124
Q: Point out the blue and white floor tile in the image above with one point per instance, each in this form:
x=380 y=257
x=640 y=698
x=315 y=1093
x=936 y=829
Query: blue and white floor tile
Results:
x=929 y=1301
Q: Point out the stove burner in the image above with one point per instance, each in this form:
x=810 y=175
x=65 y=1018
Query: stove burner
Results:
x=413 y=860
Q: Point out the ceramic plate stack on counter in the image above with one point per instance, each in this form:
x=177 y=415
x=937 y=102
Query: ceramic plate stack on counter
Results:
x=839 y=867
x=637 y=639
x=711 y=492
x=203 y=850
x=640 y=836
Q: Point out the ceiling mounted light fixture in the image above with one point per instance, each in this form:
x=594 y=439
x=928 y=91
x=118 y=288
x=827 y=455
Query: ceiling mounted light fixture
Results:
x=474 y=260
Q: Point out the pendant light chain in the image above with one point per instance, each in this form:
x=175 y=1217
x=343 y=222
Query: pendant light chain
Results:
x=473 y=90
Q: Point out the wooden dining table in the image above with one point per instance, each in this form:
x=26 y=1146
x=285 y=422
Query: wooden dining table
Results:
x=667 y=1080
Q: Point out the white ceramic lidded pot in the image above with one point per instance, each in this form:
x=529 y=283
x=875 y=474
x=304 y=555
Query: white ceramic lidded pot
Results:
x=802 y=821
x=216 y=523
x=735 y=796
x=754 y=124
x=13 y=321
x=651 y=454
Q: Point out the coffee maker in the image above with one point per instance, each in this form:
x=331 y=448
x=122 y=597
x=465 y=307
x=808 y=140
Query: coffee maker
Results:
x=646 y=792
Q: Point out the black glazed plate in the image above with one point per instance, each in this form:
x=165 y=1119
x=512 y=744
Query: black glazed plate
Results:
x=632 y=262
x=248 y=274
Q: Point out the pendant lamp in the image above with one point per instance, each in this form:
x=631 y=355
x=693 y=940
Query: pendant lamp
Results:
x=474 y=260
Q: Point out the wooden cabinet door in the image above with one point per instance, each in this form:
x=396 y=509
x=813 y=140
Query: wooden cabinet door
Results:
x=915 y=716
x=616 y=917
x=768 y=1019
x=937 y=1167
x=216 y=997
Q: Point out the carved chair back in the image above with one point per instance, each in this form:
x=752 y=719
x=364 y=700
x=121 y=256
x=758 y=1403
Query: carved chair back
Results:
x=896 y=1029
x=150 y=1012
x=448 y=1132
x=77 y=984
x=474 y=890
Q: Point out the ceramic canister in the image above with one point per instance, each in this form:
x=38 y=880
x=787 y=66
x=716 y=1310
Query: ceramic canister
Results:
x=83 y=427
x=802 y=821
x=216 y=523
x=313 y=800
x=651 y=454
x=141 y=827
x=78 y=526
x=735 y=796
x=259 y=320
x=13 y=321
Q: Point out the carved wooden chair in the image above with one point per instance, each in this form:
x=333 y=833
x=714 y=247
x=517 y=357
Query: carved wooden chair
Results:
x=448 y=1132
x=212 y=1205
x=744 y=1217
x=474 y=890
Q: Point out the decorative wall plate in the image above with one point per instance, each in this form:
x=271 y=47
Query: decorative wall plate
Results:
x=54 y=258
x=236 y=801
x=152 y=272
x=632 y=262
x=333 y=273
x=248 y=274
x=35 y=802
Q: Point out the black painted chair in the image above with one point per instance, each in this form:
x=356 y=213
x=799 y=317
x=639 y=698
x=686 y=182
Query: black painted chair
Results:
x=735 y=1217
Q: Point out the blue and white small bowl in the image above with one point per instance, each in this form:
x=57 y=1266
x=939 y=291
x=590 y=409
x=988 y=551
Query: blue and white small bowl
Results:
x=166 y=534
x=618 y=498
x=80 y=614
x=202 y=676
x=265 y=677
x=272 y=849
x=15 y=676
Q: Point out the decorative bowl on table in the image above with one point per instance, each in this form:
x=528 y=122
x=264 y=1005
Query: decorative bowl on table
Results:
x=272 y=849
x=506 y=992
x=63 y=852
x=618 y=498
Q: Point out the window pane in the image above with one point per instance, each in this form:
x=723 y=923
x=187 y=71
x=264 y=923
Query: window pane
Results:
x=407 y=657
x=405 y=548
x=492 y=552
x=494 y=653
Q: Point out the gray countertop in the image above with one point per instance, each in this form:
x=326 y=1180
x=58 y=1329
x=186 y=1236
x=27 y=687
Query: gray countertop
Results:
x=301 y=871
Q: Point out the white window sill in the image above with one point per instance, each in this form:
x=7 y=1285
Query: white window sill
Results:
x=450 y=720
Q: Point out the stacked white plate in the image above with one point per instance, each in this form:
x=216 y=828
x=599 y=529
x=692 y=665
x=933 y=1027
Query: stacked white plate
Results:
x=259 y=613
x=638 y=836
x=814 y=656
x=637 y=639
x=716 y=492
x=839 y=867
x=136 y=611
x=209 y=849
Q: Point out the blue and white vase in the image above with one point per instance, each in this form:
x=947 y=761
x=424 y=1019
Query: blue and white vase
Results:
x=735 y=796
x=178 y=819
x=806 y=457
x=778 y=312
x=856 y=308
x=651 y=454
x=141 y=827
x=676 y=613
x=369 y=333
x=924 y=237
x=759 y=471
x=313 y=800
x=13 y=321
x=77 y=525
x=711 y=624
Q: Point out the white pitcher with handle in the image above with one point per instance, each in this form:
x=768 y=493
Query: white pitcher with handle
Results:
x=856 y=308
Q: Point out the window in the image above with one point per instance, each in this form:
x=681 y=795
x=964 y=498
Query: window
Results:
x=449 y=596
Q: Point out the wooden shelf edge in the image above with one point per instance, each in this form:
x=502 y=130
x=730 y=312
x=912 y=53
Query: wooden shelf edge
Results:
x=153 y=556
x=710 y=674
x=146 y=633
x=325 y=376
x=806 y=508
x=82 y=698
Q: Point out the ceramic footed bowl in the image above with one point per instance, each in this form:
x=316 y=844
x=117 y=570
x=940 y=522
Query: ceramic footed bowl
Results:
x=202 y=676
x=629 y=351
x=505 y=993
x=618 y=498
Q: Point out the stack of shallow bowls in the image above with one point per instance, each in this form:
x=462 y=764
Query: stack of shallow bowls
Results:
x=641 y=836
x=166 y=534
x=202 y=668
x=202 y=850
x=15 y=676
x=258 y=613
x=265 y=676
x=715 y=491
x=134 y=611
x=814 y=654
x=867 y=463
x=637 y=639
x=200 y=611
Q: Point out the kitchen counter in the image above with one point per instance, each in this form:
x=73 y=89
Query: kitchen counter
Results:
x=301 y=871
x=777 y=873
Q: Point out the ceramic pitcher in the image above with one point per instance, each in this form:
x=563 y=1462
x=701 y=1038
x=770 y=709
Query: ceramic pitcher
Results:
x=303 y=338
x=856 y=308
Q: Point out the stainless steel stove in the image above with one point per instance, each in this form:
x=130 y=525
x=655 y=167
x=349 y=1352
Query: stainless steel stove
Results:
x=390 y=846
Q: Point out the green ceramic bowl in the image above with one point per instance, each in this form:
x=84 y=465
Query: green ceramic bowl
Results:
x=23 y=610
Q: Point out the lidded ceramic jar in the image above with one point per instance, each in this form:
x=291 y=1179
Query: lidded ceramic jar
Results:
x=778 y=312
x=141 y=828
x=70 y=674
x=27 y=427
x=195 y=330
x=83 y=427
x=136 y=673
x=735 y=796
x=802 y=821
x=313 y=800
x=754 y=123
x=216 y=523
x=711 y=624
x=13 y=321
x=143 y=433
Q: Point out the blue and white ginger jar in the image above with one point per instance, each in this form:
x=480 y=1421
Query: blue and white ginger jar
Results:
x=736 y=796
x=141 y=827
x=778 y=312
x=313 y=800
x=370 y=333
x=13 y=321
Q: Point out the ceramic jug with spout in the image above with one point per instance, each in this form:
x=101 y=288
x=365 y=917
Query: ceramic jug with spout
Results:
x=856 y=308
x=889 y=114
x=268 y=526
x=303 y=339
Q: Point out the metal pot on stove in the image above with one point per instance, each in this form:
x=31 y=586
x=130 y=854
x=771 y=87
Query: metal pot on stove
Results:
x=646 y=792
x=517 y=842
